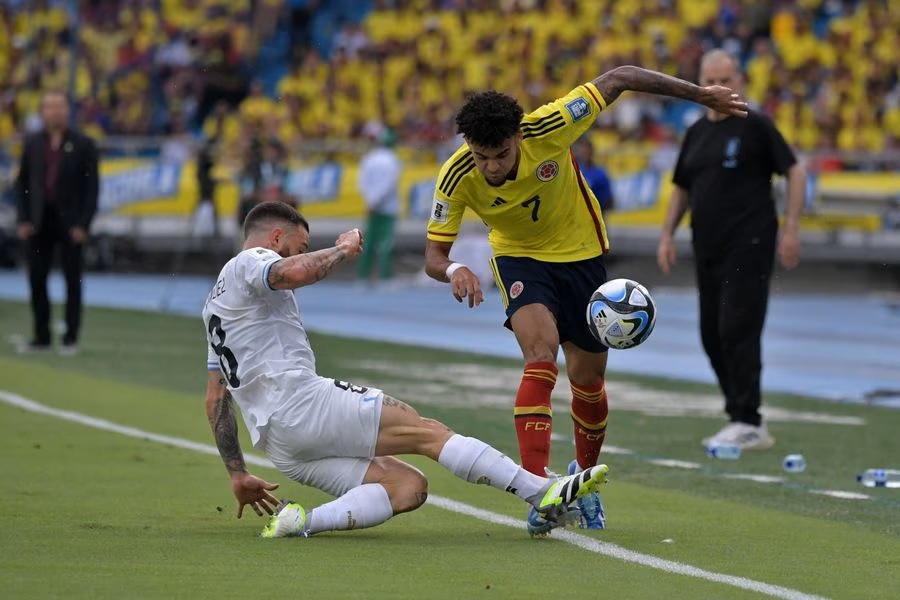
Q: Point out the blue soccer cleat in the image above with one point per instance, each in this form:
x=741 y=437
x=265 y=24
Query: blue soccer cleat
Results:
x=553 y=509
x=539 y=526
x=590 y=508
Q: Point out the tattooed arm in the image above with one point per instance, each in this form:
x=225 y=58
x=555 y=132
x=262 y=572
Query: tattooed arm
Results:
x=248 y=489
x=220 y=412
x=305 y=269
x=629 y=78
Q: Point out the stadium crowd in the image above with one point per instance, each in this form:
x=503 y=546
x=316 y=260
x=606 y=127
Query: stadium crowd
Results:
x=825 y=70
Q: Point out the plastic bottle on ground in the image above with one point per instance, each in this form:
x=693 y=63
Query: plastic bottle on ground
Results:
x=794 y=463
x=889 y=478
x=724 y=451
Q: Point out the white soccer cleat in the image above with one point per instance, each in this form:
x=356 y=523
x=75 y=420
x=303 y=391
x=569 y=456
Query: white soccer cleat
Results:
x=288 y=521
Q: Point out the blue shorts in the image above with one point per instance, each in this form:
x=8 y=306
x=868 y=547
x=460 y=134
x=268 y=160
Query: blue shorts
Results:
x=564 y=288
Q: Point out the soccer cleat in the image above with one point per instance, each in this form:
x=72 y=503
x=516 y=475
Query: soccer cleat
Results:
x=555 y=503
x=538 y=526
x=288 y=521
x=590 y=509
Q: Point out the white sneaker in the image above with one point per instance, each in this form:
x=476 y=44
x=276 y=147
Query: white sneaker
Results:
x=748 y=437
x=755 y=438
x=67 y=350
x=726 y=435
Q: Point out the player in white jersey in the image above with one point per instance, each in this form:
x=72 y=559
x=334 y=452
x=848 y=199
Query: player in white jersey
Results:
x=329 y=434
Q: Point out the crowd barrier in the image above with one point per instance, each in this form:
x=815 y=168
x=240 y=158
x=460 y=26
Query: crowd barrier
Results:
x=860 y=201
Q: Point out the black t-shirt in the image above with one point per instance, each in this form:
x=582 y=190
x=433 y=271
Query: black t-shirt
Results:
x=726 y=167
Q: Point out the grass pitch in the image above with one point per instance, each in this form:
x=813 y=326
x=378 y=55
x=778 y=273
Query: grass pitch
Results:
x=88 y=513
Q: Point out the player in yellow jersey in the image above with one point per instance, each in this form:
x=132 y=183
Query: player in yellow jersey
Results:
x=517 y=173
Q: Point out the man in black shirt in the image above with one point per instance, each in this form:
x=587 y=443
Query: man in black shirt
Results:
x=57 y=190
x=724 y=175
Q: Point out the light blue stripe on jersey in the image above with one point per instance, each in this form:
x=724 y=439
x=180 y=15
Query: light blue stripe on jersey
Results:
x=265 y=274
x=212 y=366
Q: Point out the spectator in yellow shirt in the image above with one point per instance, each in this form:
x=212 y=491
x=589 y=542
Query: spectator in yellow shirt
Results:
x=256 y=105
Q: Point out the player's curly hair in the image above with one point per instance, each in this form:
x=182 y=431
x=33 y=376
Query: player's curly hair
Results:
x=488 y=118
x=266 y=214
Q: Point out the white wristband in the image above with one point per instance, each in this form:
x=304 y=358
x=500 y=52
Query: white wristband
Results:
x=452 y=269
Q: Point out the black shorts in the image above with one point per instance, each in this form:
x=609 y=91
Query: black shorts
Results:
x=564 y=288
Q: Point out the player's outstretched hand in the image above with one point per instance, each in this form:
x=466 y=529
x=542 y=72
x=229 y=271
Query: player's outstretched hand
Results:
x=351 y=242
x=723 y=100
x=464 y=284
x=253 y=491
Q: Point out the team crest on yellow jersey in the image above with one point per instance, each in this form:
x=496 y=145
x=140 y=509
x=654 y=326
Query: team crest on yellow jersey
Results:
x=547 y=170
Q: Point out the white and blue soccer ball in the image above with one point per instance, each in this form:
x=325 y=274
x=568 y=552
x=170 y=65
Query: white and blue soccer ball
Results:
x=621 y=314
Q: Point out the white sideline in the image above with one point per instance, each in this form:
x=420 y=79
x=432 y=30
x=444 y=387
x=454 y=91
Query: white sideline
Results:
x=581 y=541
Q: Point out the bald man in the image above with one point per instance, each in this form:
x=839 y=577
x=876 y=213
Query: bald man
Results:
x=724 y=175
x=56 y=192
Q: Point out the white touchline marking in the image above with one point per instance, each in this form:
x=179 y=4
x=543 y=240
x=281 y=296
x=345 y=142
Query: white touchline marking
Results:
x=581 y=541
x=613 y=551
x=756 y=478
x=610 y=449
x=842 y=494
x=674 y=463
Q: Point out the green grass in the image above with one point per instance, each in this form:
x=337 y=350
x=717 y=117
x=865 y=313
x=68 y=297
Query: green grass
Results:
x=89 y=513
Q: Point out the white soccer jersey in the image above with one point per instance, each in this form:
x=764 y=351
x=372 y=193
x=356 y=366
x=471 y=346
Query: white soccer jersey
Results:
x=255 y=337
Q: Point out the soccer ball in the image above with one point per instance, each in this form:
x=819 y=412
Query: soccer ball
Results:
x=621 y=314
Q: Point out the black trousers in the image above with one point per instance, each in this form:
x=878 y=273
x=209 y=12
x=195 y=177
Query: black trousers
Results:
x=41 y=248
x=734 y=295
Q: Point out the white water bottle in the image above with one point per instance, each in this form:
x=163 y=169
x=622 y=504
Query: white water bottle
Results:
x=794 y=463
x=889 y=478
x=724 y=451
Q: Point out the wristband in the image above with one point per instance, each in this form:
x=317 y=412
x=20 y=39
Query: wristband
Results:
x=452 y=269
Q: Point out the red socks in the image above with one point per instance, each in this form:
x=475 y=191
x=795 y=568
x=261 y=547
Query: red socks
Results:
x=589 y=411
x=533 y=416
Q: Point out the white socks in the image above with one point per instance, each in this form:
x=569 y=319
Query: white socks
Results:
x=364 y=506
x=467 y=458
x=476 y=462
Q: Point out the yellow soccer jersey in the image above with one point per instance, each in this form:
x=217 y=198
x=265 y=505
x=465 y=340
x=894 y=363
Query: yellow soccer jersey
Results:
x=547 y=212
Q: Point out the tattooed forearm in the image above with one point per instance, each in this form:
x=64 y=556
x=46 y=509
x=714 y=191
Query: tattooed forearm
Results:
x=304 y=269
x=323 y=261
x=225 y=430
x=389 y=401
x=629 y=78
